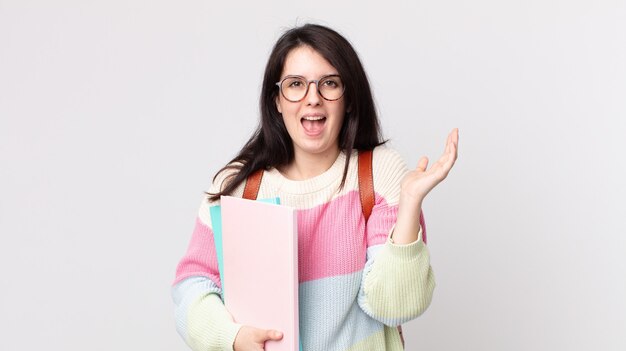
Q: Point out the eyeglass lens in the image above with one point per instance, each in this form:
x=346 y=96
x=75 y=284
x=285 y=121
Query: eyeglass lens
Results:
x=295 y=88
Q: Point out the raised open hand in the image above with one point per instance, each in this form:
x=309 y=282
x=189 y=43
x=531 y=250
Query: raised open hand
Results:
x=419 y=182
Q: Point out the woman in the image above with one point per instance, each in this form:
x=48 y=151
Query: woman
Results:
x=358 y=279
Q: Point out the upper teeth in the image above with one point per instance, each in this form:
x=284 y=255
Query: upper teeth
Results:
x=313 y=118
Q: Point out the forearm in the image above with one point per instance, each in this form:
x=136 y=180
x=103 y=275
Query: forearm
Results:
x=210 y=325
x=408 y=221
x=201 y=317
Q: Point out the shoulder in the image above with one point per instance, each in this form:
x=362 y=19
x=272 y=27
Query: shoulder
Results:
x=387 y=164
x=387 y=156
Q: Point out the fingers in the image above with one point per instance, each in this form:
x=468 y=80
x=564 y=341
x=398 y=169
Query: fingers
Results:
x=455 y=140
x=451 y=157
x=452 y=144
x=452 y=140
x=273 y=335
x=455 y=137
x=447 y=159
x=250 y=338
x=263 y=335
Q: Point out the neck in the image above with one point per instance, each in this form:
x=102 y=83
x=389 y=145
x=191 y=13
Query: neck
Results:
x=306 y=165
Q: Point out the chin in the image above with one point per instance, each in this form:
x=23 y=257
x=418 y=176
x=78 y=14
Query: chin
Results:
x=317 y=149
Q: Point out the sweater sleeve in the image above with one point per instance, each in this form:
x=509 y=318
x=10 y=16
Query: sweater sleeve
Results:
x=201 y=317
x=398 y=281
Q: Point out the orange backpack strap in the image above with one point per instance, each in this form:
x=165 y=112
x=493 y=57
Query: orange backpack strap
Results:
x=366 y=182
x=253 y=184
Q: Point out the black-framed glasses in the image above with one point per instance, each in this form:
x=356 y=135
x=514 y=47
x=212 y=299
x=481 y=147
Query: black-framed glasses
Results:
x=295 y=88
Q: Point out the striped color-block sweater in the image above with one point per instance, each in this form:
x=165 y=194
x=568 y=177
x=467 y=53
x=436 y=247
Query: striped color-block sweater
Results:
x=356 y=285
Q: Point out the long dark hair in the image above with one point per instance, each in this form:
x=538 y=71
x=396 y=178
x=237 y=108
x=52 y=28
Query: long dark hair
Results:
x=270 y=145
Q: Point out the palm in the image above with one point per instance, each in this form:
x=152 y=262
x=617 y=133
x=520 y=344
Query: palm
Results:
x=420 y=181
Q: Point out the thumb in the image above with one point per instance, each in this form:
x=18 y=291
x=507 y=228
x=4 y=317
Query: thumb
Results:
x=422 y=164
x=273 y=335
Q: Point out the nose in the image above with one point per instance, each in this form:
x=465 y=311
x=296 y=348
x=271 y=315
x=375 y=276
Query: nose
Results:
x=313 y=96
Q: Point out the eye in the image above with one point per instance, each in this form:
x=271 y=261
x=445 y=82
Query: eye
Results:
x=332 y=82
x=295 y=84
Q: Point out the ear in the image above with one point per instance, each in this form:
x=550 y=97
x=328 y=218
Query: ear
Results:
x=280 y=110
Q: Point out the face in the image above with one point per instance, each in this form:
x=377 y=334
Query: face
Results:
x=313 y=123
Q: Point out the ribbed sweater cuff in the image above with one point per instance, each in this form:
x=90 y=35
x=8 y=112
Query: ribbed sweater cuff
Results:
x=229 y=333
x=210 y=326
x=405 y=252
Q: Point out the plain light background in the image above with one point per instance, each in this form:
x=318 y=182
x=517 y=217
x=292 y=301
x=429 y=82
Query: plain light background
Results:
x=114 y=116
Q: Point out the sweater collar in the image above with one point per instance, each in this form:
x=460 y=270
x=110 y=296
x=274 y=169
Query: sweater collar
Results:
x=331 y=177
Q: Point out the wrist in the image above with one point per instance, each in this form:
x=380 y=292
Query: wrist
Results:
x=410 y=202
x=407 y=222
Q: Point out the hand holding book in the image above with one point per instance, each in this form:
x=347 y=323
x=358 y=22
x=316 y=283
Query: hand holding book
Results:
x=253 y=339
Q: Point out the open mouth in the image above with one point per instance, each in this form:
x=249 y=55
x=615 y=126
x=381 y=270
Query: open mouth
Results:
x=313 y=125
